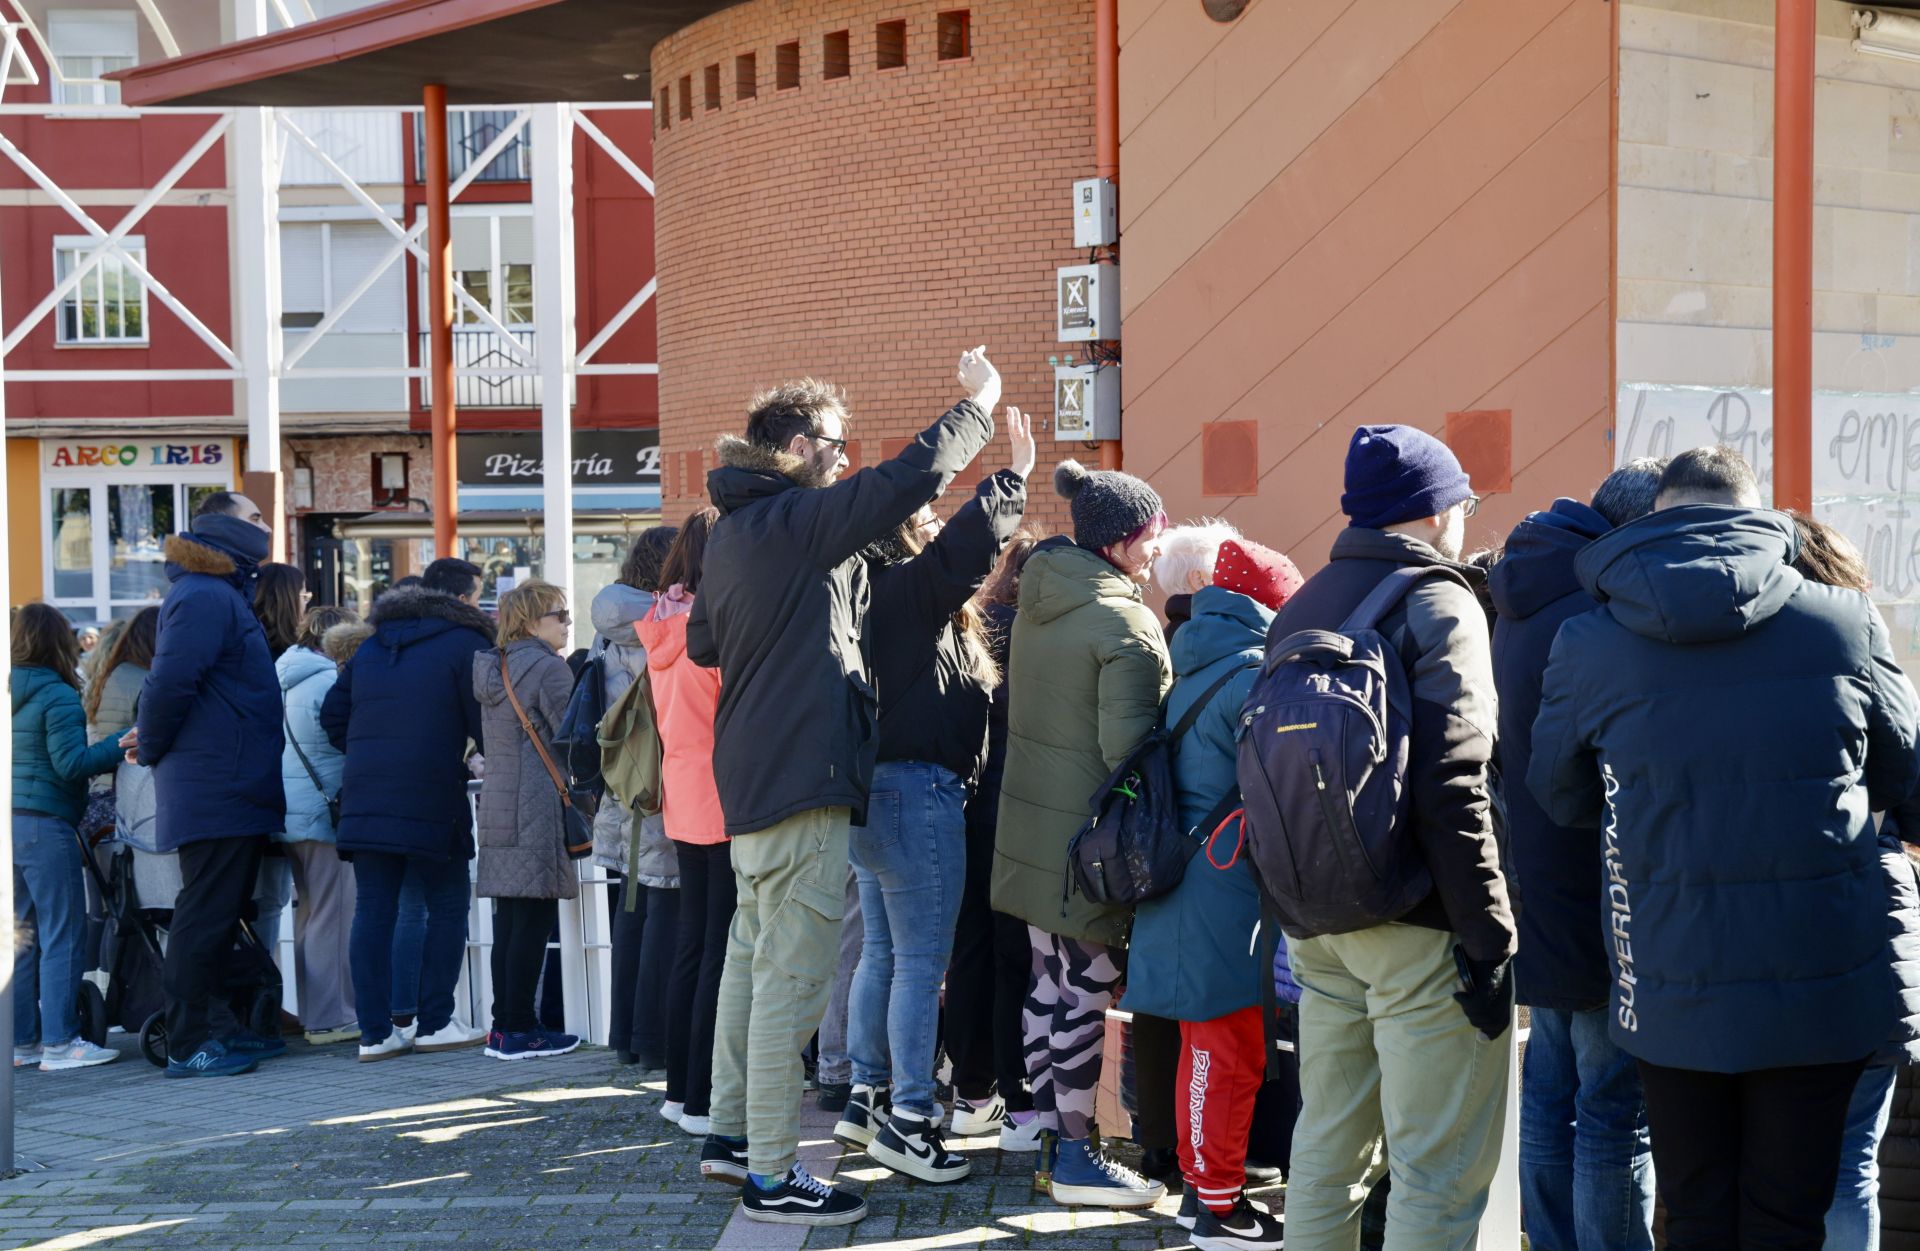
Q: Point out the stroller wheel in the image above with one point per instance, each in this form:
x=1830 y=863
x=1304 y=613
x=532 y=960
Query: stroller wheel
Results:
x=263 y=1015
x=92 y=1008
x=153 y=1040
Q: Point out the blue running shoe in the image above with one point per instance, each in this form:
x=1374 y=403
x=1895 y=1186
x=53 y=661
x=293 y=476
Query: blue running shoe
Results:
x=212 y=1060
x=529 y=1044
x=248 y=1043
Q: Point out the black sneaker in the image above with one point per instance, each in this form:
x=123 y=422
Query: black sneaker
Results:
x=1189 y=1209
x=1262 y=1174
x=833 y=1096
x=1246 y=1228
x=722 y=1161
x=801 y=1199
x=911 y=1144
x=861 y=1119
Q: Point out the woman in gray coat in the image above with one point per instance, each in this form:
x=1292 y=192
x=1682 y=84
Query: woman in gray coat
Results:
x=523 y=859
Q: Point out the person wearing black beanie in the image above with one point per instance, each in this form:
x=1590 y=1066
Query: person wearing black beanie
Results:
x=1114 y=514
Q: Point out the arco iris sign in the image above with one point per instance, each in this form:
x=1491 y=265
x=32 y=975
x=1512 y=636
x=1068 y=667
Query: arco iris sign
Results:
x=136 y=454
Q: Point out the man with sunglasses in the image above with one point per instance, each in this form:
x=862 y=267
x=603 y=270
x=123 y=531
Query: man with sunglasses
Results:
x=781 y=613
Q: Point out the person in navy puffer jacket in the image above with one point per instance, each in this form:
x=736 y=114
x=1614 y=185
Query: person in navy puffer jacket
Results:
x=209 y=726
x=1731 y=727
x=1580 y=1099
x=404 y=713
x=1194 y=958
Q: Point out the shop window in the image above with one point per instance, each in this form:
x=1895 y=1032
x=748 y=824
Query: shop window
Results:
x=70 y=521
x=389 y=479
x=713 y=88
x=836 y=54
x=86 y=46
x=686 y=97
x=786 y=65
x=890 y=44
x=955 y=35
x=139 y=518
x=109 y=306
x=746 y=76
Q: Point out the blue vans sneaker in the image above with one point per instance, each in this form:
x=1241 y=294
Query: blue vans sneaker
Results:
x=212 y=1060
x=530 y=1044
x=1082 y=1177
x=258 y=1046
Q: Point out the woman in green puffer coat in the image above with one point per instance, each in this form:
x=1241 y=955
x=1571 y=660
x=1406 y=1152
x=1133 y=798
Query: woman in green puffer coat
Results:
x=51 y=765
x=1089 y=671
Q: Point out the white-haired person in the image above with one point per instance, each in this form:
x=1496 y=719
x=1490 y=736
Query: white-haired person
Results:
x=1187 y=556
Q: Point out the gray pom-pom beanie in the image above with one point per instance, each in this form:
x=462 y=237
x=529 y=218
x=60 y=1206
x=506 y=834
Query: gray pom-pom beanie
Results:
x=1107 y=505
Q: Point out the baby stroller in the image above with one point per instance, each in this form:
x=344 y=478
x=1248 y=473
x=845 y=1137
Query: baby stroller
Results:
x=126 y=989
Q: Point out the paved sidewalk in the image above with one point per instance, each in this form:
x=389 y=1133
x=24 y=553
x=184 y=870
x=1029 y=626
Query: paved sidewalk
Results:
x=316 y=1150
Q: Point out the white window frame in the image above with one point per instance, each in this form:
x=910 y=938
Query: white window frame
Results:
x=496 y=271
x=79 y=246
x=102 y=603
x=80 y=62
x=327 y=217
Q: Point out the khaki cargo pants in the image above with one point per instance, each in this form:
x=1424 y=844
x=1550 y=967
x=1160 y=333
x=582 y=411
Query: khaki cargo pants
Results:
x=781 y=953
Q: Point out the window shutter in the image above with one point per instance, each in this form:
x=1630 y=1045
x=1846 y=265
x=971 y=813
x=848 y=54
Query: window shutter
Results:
x=357 y=248
x=302 y=285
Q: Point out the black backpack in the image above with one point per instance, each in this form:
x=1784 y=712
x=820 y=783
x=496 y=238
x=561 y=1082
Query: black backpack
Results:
x=1324 y=742
x=577 y=742
x=1132 y=848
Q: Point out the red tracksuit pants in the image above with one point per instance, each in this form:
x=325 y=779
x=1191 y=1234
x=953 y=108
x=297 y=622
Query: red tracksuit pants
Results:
x=1222 y=1063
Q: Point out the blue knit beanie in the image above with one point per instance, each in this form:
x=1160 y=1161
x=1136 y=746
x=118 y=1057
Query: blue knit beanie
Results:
x=1396 y=474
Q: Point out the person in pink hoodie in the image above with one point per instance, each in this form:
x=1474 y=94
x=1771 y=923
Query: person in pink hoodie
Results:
x=685 y=697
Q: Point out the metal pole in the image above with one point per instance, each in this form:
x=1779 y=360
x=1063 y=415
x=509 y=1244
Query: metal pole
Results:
x=1793 y=254
x=446 y=487
x=8 y=50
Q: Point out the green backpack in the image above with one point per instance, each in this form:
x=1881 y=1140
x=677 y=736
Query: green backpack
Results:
x=631 y=755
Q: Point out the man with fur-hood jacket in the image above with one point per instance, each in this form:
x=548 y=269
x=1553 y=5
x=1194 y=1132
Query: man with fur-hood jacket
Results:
x=209 y=727
x=781 y=613
x=403 y=712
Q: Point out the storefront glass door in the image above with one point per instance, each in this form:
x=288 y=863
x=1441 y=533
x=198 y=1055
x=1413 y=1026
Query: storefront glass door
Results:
x=108 y=541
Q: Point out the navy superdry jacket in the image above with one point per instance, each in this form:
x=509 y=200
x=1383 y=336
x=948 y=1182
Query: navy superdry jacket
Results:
x=1560 y=962
x=1731 y=728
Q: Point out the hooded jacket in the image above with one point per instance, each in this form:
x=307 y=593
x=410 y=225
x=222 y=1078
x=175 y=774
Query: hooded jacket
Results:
x=782 y=614
x=210 y=708
x=51 y=758
x=685 y=698
x=616 y=614
x=1439 y=631
x=1556 y=870
x=1089 y=670
x=305 y=678
x=403 y=711
x=523 y=851
x=933 y=708
x=1193 y=956
x=1730 y=727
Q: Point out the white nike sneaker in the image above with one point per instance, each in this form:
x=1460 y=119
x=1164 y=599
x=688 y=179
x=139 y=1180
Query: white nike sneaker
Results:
x=911 y=1144
x=1247 y=1227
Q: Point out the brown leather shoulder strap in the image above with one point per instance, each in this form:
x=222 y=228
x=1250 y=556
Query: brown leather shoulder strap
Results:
x=553 y=770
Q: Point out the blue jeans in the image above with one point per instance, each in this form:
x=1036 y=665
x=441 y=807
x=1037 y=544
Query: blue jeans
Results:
x=50 y=910
x=409 y=938
x=378 y=877
x=1853 y=1222
x=1586 y=1159
x=910 y=860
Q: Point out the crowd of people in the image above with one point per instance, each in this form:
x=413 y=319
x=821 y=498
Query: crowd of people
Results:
x=1645 y=769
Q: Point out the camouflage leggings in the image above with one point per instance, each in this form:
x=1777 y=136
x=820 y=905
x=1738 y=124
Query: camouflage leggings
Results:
x=1064 y=1022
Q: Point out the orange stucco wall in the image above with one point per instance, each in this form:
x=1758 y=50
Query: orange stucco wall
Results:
x=24 y=565
x=1337 y=212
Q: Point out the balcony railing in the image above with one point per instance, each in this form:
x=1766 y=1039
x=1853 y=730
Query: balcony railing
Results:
x=469 y=132
x=482 y=349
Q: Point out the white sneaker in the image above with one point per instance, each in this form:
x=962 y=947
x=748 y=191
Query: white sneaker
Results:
x=26 y=1057
x=411 y=1030
x=672 y=1113
x=398 y=1043
x=78 y=1054
x=1021 y=1138
x=698 y=1126
x=452 y=1036
x=970 y=1120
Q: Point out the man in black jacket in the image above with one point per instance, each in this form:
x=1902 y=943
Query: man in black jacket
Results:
x=1384 y=1050
x=1581 y=1097
x=781 y=613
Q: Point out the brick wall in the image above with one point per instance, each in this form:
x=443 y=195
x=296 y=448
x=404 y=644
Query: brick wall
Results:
x=867 y=228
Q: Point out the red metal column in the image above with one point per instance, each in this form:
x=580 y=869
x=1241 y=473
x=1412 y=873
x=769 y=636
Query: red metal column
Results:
x=1793 y=254
x=1106 y=130
x=446 y=486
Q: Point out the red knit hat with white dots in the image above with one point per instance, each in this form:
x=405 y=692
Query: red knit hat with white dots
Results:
x=1259 y=573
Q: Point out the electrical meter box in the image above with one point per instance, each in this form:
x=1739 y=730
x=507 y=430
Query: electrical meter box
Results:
x=1096 y=215
x=1086 y=403
x=1087 y=299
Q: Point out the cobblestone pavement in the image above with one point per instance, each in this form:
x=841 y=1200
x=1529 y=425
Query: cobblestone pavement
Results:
x=317 y=1150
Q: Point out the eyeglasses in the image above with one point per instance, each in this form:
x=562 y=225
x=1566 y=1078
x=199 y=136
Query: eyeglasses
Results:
x=565 y=617
x=1470 y=506
x=839 y=445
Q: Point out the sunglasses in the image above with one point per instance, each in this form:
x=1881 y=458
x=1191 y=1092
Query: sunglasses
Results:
x=564 y=617
x=839 y=445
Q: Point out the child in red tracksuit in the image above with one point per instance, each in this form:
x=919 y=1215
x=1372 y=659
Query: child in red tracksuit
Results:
x=1193 y=957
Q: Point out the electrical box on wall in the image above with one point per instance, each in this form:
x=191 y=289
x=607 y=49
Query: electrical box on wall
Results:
x=1087 y=299
x=1096 y=215
x=1086 y=403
